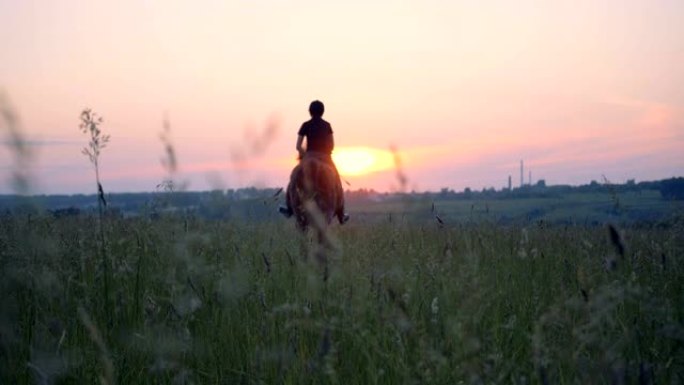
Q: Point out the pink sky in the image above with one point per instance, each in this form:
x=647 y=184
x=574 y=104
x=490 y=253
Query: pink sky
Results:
x=464 y=89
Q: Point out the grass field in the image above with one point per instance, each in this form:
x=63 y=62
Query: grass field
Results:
x=401 y=300
x=634 y=207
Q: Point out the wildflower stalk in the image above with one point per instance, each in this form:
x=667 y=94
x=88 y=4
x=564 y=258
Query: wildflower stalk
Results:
x=90 y=125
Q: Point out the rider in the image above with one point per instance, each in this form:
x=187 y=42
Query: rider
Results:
x=319 y=144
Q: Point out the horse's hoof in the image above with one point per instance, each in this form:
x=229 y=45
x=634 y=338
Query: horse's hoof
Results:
x=286 y=211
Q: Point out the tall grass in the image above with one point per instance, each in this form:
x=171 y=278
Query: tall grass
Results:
x=235 y=302
x=17 y=144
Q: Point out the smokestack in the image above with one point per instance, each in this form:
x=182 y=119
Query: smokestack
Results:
x=510 y=186
x=529 y=181
x=522 y=181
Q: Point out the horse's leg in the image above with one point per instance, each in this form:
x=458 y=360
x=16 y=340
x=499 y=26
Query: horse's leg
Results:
x=304 y=245
x=316 y=247
x=321 y=250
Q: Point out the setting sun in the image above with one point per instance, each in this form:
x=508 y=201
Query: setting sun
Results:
x=353 y=161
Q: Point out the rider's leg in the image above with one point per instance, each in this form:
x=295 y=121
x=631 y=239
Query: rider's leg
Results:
x=286 y=209
x=342 y=217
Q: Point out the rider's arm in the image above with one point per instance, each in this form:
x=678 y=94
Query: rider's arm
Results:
x=300 y=149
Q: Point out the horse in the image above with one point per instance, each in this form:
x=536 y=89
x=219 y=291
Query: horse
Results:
x=314 y=193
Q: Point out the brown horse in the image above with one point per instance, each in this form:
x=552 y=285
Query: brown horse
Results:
x=314 y=193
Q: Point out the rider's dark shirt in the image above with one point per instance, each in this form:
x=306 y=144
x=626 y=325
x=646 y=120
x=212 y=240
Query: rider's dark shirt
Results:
x=319 y=136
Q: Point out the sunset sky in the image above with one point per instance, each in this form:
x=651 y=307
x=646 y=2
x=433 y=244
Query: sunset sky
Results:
x=462 y=89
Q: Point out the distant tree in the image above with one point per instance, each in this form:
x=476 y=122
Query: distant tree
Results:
x=672 y=188
x=68 y=212
x=541 y=183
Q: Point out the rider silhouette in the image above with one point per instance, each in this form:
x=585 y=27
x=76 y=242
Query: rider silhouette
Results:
x=319 y=144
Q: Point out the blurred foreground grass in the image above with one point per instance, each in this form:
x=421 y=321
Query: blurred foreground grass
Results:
x=223 y=302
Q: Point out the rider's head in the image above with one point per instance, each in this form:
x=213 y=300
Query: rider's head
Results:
x=316 y=109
